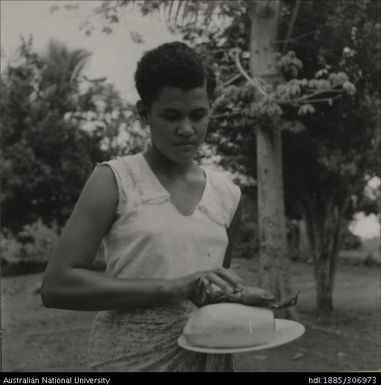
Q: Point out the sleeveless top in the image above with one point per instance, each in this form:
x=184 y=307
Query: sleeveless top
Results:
x=150 y=238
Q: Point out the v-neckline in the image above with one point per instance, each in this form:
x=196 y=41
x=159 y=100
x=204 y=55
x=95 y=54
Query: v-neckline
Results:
x=161 y=186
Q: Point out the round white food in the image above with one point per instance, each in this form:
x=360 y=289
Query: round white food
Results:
x=228 y=325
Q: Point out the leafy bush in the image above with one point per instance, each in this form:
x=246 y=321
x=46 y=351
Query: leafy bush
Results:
x=56 y=125
x=11 y=248
x=32 y=245
x=350 y=241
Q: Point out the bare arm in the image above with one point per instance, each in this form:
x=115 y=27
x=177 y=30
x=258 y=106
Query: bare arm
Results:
x=69 y=282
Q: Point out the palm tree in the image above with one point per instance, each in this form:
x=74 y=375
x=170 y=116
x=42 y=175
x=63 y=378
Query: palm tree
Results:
x=64 y=65
x=62 y=69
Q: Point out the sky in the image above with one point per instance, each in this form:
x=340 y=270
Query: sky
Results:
x=114 y=56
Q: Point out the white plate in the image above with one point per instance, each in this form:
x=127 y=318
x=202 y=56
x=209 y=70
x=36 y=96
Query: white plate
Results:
x=285 y=331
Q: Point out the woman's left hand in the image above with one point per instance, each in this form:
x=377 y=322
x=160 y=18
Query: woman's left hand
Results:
x=209 y=288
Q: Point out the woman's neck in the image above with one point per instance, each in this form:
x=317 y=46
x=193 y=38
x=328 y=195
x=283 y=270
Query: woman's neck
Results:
x=160 y=164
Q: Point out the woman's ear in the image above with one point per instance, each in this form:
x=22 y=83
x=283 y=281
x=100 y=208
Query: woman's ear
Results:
x=143 y=111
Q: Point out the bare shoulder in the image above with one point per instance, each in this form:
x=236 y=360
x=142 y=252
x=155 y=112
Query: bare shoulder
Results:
x=91 y=219
x=100 y=189
x=95 y=209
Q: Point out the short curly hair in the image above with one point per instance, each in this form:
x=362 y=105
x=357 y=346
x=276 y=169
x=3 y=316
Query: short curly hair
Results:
x=174 y=65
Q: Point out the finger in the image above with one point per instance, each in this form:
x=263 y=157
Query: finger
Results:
x=238 y=285
x=224 y=285
x=206 y=285
x=234 y=275
x=230 y=277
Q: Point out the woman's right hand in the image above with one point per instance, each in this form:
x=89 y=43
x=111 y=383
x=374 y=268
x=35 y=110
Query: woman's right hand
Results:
x=197 y=286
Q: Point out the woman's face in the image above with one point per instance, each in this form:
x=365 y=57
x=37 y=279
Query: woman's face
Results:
x=178 y=121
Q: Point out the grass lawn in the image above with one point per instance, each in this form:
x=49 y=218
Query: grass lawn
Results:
x=40 y=339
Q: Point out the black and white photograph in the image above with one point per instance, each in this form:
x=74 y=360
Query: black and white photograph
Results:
x=190 y=186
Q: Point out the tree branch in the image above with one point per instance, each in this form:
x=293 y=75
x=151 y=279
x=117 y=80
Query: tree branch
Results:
x=231 y=80
x=292 y=24
x=251 y=80
x=298 y=37
x=307 y=98
x=321 y=100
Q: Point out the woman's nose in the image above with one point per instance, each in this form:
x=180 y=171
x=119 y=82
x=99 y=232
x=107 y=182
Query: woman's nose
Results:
x=185 y=127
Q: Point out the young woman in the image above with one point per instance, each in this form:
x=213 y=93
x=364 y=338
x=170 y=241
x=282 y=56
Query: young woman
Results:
x=167 y=225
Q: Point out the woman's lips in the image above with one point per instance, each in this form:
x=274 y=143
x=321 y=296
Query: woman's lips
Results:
x=185 y=146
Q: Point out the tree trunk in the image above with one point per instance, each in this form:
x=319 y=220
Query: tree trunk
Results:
x=324 y=283
x=303 y=244
x=324 y=229
x=274 y=262
x=274 y=259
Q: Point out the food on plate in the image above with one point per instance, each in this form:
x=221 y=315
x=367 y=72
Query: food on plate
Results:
x=229 y=325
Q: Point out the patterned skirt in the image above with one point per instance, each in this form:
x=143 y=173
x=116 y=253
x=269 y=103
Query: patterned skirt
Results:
x=145 y=340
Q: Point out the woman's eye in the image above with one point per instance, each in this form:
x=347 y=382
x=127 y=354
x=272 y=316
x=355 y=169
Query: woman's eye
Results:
x=193 y=117
x=198 y=116
x=171 y=118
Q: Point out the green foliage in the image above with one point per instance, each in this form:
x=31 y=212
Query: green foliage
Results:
x=47 y=151
x=195 y=13
x=33 y=244
x=327 y=102
x=45 y=159
x=350 y=241
x=369 y=201
x=328 y=105
x=106 y=116
x=298 y=94
x=340 y=150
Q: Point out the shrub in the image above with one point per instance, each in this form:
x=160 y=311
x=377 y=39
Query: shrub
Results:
x=32 y=245
x=350 y=241
x=10 y=247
